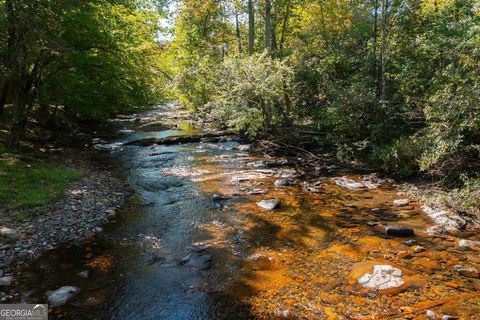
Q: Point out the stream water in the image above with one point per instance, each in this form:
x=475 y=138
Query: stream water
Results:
x=196 y=246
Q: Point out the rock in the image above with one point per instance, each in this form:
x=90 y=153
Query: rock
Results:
x=445 y=220
x=60 y=296
x=255 y=192
x=469 y=244
x=447 y=317
x=467 y=272
x=410 y=242
x=383 y=277
x=6 y=280
x=243 y=147
x=261 y=261
x=98 y=229
x=284 y=182
x=200 y=247
x=349 y=183
x=419 y=249
x=84 y=274
x=401 y=202
x=399 y=231
x=8 y=233
x=269 y=204
x=430 y=314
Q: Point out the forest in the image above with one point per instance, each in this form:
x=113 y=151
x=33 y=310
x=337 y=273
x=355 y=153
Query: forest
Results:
x=384 y=86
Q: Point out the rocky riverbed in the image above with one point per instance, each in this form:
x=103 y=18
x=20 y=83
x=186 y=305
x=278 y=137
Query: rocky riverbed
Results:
x=226 y=233
x=75 y=219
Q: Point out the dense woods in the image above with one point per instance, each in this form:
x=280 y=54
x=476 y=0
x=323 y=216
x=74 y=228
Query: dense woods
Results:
x=391 y=83
x=83 y=59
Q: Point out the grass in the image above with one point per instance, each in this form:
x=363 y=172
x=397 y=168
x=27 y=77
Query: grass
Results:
x=32 y=185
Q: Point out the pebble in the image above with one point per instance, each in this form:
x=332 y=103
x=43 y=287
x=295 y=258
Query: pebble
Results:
x=410 y=242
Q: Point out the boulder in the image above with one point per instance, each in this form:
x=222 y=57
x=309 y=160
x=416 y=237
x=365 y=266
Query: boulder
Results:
x=383 y=277
x=399 y=231
x=60 y=296
x=269 y=204
x=349 y=183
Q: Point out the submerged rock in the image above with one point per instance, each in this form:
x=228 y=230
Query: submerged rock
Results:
x=399 y=231
x=383 y=277
x=60 y=296
x=269 y=204
x=467 y=272
x=469 y=244
x=401 y=202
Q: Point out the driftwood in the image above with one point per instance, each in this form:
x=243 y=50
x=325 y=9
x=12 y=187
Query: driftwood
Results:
x=204 y=137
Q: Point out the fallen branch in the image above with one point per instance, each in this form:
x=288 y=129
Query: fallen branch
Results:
x=206 y=137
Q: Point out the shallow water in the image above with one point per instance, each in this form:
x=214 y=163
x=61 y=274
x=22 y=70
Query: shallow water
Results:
x=196 y=246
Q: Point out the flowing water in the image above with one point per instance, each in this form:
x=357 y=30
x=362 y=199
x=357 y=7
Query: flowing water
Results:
x=196 y=246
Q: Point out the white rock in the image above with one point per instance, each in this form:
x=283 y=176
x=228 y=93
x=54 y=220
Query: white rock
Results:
x=446 y=221
x=401 y=202
x=60 y=296
x=468 y=243
x=8 y=233
x=84 y=274
x=430 y=314
x=349 y=183
x=383 y=277
x=269 y=204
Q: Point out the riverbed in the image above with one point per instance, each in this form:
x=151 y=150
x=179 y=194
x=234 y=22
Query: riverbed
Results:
x=194 y=243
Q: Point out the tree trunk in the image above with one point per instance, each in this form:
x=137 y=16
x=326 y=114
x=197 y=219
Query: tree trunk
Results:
x=237 y=29
x=3 y=97
x=18 y=77
x=285 y=27
x=375 y=40
x=383 y=53
x=268 y=25
x=251 y=27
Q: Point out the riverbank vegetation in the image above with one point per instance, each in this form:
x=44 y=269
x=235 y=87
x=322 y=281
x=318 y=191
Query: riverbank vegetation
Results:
x=392 y=84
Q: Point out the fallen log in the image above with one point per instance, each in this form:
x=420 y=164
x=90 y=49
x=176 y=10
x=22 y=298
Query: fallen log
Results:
x=204 y=137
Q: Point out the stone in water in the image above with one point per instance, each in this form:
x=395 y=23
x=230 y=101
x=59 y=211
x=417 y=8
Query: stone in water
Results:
x=269 y=204
x=383 y=277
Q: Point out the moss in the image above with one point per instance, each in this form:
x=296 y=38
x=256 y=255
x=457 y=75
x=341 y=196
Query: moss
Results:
x=33 y=184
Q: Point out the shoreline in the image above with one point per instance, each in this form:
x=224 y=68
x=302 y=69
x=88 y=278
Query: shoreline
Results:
x=75 y=219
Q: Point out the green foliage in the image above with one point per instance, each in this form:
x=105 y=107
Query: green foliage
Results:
x=250 y=94
x=35 y=185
